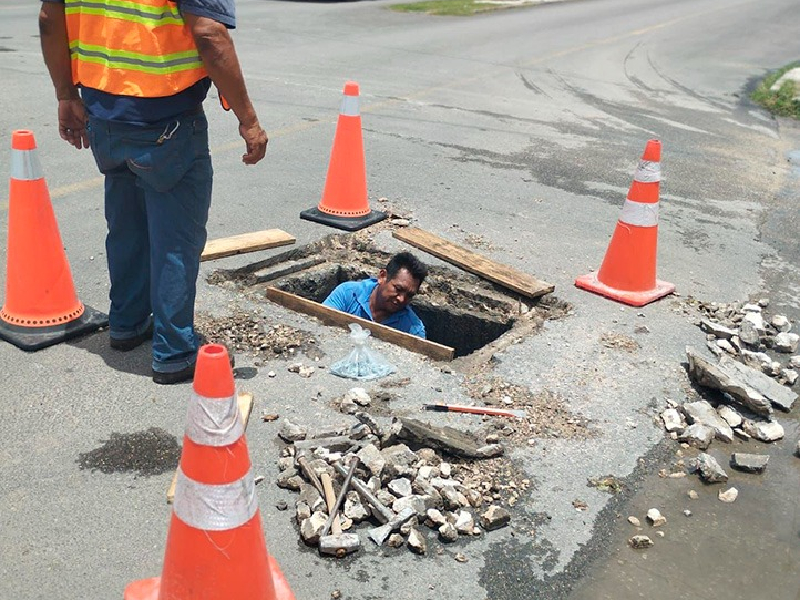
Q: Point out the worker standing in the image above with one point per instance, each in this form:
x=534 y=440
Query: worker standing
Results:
x=130 y=78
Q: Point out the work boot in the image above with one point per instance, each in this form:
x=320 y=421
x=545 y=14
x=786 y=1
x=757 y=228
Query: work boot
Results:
x=128 y=344
x=187 y=374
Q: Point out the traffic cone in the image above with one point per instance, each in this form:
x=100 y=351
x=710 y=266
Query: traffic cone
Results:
x=628 y=272
x=344 y=202
x=215 y=544
x=41 y=306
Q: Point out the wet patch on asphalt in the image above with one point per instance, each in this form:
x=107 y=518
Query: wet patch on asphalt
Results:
x=146 y=453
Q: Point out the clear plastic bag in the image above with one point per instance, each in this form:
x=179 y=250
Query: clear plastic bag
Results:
x=362 y=363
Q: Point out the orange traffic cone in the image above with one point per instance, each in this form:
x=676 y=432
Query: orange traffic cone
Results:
x=41 y=307
x=628 y=272
x=344 y=202
x=215 y=545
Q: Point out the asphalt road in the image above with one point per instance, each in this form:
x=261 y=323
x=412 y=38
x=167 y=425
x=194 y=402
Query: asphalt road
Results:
x=523 y=127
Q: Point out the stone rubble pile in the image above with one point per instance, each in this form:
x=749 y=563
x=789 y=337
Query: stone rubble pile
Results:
x=421 y=495
x=746 y=333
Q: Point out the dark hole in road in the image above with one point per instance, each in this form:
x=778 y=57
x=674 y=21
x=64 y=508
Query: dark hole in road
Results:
x=150 y=452
x=465 y=331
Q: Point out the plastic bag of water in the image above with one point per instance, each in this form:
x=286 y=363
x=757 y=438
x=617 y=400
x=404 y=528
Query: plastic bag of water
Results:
x=361 y=363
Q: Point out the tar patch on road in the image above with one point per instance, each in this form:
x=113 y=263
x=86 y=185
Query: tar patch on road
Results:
x=150 y=452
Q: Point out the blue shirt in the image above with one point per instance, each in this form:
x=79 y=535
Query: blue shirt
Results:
x=352 y=297
x=132 y=109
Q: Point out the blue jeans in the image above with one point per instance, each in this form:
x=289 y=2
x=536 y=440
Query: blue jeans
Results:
x=157 y=196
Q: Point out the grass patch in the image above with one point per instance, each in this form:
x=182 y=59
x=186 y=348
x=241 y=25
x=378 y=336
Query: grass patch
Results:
x=451 y=8
x=782 y=102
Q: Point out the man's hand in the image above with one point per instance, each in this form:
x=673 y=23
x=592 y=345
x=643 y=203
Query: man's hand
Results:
x=256 y=140
x=72 y=122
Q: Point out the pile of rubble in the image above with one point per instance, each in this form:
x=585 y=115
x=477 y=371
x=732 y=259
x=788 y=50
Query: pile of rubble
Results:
x=745 y=332
x=750 y=383
x=244 y=332
x=394 y=489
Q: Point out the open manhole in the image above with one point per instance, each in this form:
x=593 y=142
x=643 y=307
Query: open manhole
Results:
x=458 y=309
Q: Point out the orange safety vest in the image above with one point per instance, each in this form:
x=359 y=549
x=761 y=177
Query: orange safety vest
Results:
x=131 y=47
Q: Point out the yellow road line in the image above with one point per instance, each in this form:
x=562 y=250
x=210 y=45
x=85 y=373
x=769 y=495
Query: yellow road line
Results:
x=97 y=182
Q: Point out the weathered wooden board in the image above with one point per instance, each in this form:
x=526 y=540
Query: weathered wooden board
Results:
x=245 y=401
x=498 y=273
x=335 y=317
x=246 y=242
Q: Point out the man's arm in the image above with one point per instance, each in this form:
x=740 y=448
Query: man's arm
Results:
x=216 y=49
x=55 y=50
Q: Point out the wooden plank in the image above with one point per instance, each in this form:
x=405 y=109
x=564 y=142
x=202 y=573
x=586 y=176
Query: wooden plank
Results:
x=246 y=242
x=245 y=402
x=335 y=317
x=498 y=273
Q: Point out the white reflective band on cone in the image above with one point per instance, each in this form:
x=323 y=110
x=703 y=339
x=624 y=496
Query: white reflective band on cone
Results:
x=349 y=106
x=215 y=507
x=647 y=172
x=641 y=214
x=214 y=421
x=25 y=165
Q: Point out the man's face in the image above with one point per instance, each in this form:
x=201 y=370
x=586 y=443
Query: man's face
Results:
x=396 y=293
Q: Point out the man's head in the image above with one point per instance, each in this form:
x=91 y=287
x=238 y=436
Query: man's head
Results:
x=399 y=282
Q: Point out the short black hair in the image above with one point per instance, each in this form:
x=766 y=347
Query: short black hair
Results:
x=409 y=262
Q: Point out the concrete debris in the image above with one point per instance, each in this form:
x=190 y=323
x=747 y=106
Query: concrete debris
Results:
x=748 y=333
x=447 y=439
x=697 y=436
x=397 y=487
x=672 y=420
x=416 y=542
x=716 y=329
x=311 y=528
x=786 y=342
x=687 y=513
x=372 y=458
x=302 y=370
x=709 y=469
x=634 y=521
x=751 y=308
x=290 y=432
x=787 y=377
x=719 y=377
x=354 y=509
x=465 y=522
x=400 y=487
x=359 y=396
x=692 y=494
x=448 y=532
x=750 y=463
x=396 y=541
x=763 y=431
x=728 y=495
x=731 y=417
x=281 y=505
x=494 y=518
x=781 y=323
x=640 y=542
x=794 y=362
x=655 y=518
x=703 y=413
x=460 y=557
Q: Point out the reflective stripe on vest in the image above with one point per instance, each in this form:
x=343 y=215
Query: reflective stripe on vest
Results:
x=163 y=61
x=214 y=422
x=25 y=165
x=215 y=507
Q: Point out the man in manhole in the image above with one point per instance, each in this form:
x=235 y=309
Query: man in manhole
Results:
x=385 y=300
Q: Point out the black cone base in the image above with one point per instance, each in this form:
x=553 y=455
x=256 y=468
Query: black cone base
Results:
x=31 y=339
x=345 y=223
